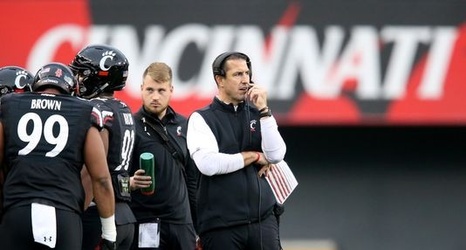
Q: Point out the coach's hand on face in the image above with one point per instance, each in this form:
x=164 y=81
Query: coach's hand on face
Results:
x=258 y=96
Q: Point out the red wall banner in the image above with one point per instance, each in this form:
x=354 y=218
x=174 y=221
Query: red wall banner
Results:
x=354 y=64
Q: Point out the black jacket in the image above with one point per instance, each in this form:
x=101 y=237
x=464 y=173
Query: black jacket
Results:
x=175 y=182
x=240 y=197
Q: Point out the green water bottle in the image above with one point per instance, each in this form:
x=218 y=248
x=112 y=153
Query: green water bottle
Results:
x=146 y=162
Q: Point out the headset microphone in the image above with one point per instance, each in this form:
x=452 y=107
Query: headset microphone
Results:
x=251 y=84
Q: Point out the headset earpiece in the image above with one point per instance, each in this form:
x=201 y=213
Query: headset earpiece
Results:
x=217 y=65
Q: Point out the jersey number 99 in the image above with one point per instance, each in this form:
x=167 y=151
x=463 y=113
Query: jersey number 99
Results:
x=46 y=129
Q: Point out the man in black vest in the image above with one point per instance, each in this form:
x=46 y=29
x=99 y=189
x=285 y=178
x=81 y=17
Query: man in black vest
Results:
x=232 y=141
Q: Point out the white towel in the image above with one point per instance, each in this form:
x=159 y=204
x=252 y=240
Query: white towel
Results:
x=44 y=224
x=149 y=235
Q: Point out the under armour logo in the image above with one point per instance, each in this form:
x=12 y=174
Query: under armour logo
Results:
x=49 y=239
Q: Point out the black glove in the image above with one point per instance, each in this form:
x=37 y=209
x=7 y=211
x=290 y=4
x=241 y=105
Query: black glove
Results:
x=108 y=245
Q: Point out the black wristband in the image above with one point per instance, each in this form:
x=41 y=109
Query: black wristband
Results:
x=265 y=114
x=263 y=109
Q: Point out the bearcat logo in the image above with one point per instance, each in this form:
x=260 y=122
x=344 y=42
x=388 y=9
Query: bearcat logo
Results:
x=20 y=74
x=252 y=125
x=178 y=131
x=105 y=56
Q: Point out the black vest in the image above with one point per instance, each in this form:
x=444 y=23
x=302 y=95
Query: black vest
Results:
x=234 y=198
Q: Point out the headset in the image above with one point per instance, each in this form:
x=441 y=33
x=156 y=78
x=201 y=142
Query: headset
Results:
x=217 y=65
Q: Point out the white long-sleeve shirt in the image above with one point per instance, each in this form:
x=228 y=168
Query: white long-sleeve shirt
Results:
x=204 y=150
